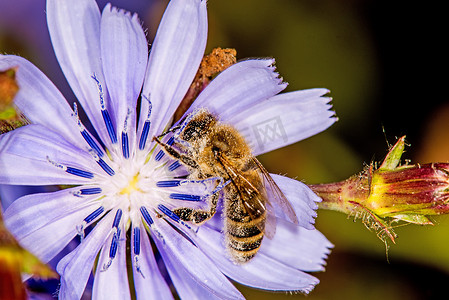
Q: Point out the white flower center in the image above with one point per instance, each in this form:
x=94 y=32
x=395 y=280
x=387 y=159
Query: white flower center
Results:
x=132 y=186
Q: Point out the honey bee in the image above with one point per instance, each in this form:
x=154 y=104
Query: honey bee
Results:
x=210 y=149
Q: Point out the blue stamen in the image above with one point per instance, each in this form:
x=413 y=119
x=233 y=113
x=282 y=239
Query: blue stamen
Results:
x=146 y=125
x=146 y=216
x=115 y=239
x=80 y=173
x=144 y=134
x=94 y=215
x=109 y=126
x=185 y=197
x=150 y=106
x=168 y=183
x=100 y=90
x=125 y=145
x=159 y=155
x=118 y=216
x=168 y=213
x=106 y=167
x=170 y=141
x=106 y=118
x=92 y=143
x=174 y=166
x=136 y=240
x=114 y=245
x=91 y=191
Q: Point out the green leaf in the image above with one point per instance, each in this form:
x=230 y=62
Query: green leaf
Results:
x=414 y=218
x=393 y=157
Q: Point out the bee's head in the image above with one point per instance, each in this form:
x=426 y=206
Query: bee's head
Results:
x=199 y=125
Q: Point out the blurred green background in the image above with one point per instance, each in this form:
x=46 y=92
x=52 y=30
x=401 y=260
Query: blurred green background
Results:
x=384 y=62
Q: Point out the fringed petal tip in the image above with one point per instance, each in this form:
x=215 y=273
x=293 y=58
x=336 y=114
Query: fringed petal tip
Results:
x=280 y=80
x=270 y=64
x=328 y=246
x=311 y=225
x=325 y=255
x=252 y=81
x=327 y=249
x=309 y=288
x=304 y=290
x=309 y=222
x=322 y=94
x=120 y=11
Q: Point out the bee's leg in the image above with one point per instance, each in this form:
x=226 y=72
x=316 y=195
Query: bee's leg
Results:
x=176 y=155
x=198 y=216
x=218 y=188
x=172 y=129
x=221 y=184
x=178 y=128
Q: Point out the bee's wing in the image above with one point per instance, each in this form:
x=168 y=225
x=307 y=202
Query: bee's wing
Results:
x=278 y=196
x=270 y=221
x=247 y=189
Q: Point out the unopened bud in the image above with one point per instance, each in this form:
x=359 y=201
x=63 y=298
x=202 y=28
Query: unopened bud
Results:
x=390 y=193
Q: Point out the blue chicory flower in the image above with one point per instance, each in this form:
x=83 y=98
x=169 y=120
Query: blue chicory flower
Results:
x=119 y=190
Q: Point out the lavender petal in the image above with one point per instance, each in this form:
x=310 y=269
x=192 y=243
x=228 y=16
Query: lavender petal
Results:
x=124 y=51
x=76 y=267
x=284 y=119
x=174 y=60
x=239 y=88
x=75 y=34
x=34 y=155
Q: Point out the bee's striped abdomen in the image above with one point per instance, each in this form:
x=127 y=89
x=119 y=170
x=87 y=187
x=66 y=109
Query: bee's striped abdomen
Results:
x=243 y=233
